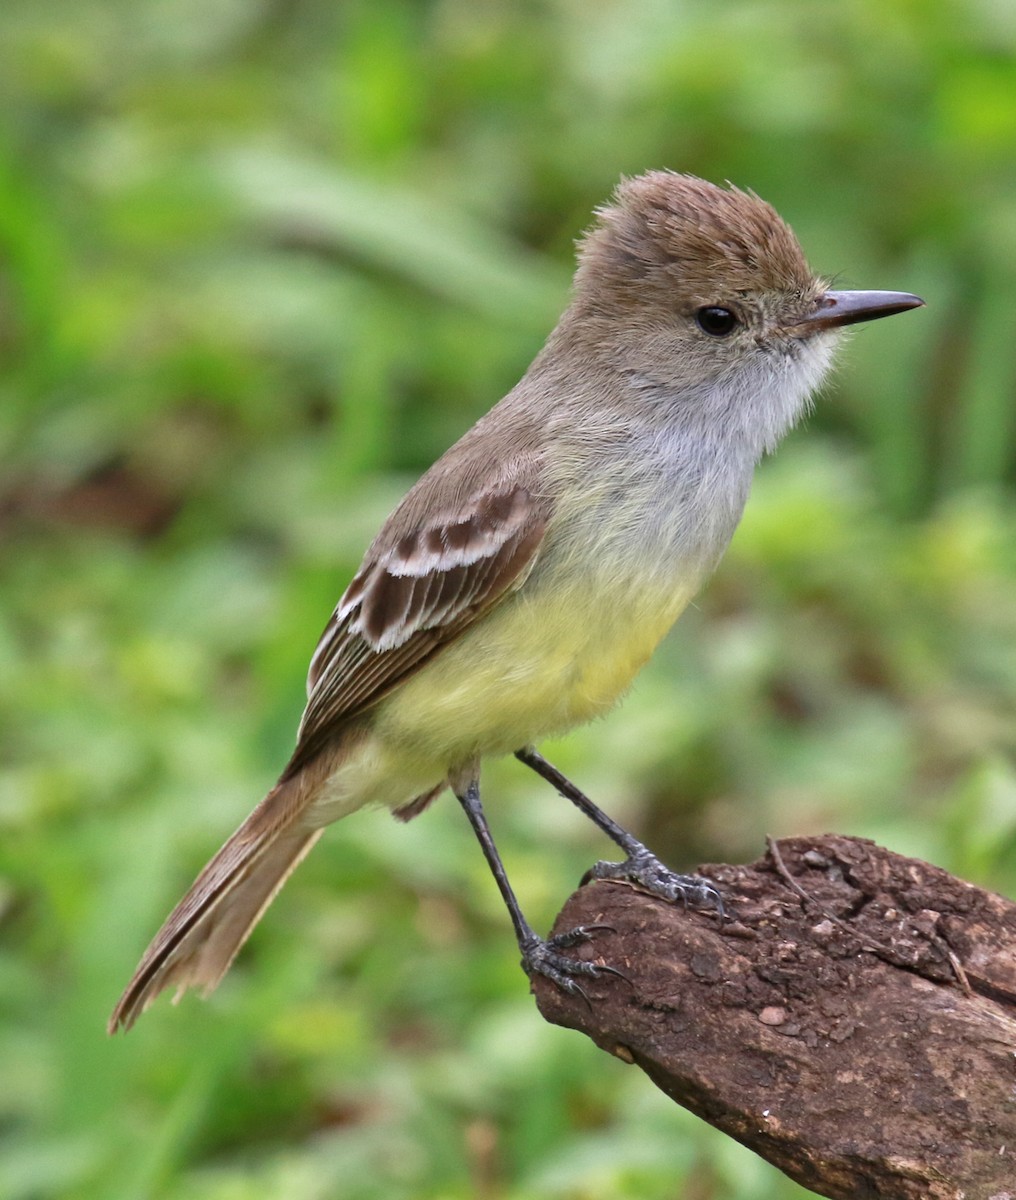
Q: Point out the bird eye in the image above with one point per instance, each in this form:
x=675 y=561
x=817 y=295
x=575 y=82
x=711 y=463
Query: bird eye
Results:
x=717 y=322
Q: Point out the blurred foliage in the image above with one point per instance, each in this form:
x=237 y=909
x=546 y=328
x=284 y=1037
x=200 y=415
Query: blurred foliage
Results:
x=260 y=262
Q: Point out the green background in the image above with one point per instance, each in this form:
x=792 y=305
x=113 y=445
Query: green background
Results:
x=260 y=262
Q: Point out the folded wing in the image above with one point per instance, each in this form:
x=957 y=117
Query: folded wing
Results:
x=410 y=598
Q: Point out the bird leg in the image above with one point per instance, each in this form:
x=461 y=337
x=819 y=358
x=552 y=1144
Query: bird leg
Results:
x=641 y=866
x=540 y=956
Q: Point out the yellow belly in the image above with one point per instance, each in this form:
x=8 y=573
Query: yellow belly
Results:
x=533 y=667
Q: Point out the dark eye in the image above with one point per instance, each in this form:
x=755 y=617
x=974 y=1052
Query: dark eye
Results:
x=717 y=322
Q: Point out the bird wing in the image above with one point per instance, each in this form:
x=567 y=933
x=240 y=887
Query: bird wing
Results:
x=410 y=597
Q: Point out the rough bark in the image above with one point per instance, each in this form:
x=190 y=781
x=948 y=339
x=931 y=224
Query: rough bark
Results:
x=852 y=1019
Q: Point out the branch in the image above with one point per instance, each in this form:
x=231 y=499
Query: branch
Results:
x=852 y=1021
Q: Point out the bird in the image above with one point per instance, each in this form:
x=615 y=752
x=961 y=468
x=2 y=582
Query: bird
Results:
x=521 y=584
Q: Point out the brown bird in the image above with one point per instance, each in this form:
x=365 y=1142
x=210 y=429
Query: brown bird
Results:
x=521 y=584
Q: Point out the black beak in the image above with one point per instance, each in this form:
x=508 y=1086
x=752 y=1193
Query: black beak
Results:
x=847 y=308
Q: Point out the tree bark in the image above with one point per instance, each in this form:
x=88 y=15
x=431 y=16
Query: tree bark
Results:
x=852 y=1018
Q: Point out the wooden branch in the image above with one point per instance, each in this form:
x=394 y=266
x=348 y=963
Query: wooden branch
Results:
x=853 y=1020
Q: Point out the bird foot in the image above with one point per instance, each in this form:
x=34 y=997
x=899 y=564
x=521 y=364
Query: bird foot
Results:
x=543 y=957
x=646 y=871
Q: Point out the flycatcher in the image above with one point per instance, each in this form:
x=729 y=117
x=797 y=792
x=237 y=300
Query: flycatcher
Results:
x=521 y=584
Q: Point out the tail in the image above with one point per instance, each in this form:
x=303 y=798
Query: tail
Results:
x=202 y=935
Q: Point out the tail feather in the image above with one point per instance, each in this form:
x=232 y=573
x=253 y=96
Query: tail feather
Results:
x=202 y=935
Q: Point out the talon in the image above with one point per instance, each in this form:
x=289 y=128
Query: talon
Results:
x=574 y=989
x=614 y=971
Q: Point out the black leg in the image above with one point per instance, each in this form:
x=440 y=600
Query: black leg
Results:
x=641 y=866
x=538 y=955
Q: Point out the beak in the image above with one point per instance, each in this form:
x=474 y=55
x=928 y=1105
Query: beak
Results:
x=836 y=309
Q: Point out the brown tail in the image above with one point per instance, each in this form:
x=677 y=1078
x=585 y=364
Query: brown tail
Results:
x=201 y=936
